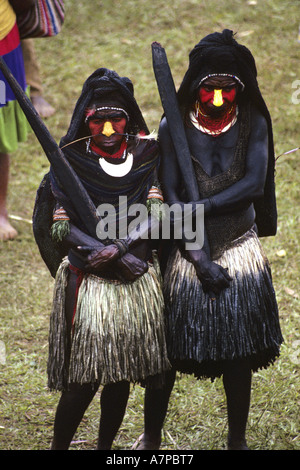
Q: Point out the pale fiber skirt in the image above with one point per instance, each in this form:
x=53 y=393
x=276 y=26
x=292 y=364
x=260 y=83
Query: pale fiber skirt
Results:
x=204 y=336
x=118 y=331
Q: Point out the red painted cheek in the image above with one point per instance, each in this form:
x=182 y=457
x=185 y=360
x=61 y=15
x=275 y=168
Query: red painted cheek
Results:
x=229 y=96
x=120 y=126
x=206 y=96
x=95 y=128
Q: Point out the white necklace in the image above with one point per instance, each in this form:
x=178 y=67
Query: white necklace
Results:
x=117 y=170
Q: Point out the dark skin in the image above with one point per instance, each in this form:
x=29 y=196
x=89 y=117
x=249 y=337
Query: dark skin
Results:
x=215 y=155
x=127 y=267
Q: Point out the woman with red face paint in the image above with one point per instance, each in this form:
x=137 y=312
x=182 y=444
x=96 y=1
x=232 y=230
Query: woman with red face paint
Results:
x=215 y=110
x=221 y=311
x=106 y=325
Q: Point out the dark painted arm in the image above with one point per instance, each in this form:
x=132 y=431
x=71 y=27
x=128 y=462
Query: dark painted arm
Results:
x=127 y=267
x=213 y=277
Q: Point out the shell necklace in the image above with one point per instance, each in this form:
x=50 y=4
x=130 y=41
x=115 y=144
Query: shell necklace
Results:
x=117 y=170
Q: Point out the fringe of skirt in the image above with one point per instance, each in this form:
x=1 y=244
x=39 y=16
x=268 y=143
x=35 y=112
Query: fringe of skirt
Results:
x=118 y=331
x=204 y=335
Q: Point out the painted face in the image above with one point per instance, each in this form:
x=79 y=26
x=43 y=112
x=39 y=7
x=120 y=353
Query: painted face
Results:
x=217 y=94
x=108 y=128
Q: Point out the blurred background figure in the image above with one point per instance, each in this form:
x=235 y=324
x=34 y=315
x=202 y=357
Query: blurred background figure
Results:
x=34 y=81
x=13 y=124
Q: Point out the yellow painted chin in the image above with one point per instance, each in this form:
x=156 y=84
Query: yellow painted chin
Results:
x=108 y=129
x=218 y=99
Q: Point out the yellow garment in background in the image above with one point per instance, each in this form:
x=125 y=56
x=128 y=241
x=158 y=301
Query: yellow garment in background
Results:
x=7 y=18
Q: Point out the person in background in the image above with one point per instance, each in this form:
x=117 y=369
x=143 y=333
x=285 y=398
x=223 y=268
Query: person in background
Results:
x=13 y=124
x=34 y=81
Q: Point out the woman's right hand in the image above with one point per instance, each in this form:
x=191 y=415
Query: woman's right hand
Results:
x=129 y=268
x=100 y=257
x=213 y=277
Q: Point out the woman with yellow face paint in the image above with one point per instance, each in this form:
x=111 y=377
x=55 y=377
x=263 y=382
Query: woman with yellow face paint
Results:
x=236 y=331
x=108 y=130
x=106 y=325
x=215 y=110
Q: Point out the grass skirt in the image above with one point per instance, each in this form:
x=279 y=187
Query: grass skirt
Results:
x=205 y=335
x=118 y=331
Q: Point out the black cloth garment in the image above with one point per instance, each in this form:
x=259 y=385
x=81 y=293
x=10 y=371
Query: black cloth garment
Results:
x=98 y=87
x=103 y=188
x=101 y=87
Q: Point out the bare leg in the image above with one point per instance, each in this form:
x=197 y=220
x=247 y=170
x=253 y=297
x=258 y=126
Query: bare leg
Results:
x=42 y=106
x=33 y=78
x=7 y=232
x=156 y=406
x=114 y=400
x=74 y=401
x=237 y=384
x=71 y=408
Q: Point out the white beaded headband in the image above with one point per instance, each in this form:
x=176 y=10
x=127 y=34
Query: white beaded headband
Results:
x=222 y=75
x=93 y=111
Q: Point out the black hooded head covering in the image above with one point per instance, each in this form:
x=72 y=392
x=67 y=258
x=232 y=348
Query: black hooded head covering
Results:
x=105 y=86
x=219 y=53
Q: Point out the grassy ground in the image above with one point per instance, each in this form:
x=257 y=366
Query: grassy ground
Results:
x=118 y=35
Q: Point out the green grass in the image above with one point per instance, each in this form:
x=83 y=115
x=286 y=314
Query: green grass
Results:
x=118 y=35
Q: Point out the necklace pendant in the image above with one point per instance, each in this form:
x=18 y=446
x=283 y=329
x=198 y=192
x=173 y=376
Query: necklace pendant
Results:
x=117 y=170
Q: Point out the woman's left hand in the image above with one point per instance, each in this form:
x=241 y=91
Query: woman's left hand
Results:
x=100 y=257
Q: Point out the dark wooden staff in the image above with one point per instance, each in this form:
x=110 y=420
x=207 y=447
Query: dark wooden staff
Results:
x=170 y=106
x=64 y=172
x=169 y=102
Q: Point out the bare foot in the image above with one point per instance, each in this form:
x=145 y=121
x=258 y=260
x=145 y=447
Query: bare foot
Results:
x=7 y=232
x=142 y=443
x=44 y=109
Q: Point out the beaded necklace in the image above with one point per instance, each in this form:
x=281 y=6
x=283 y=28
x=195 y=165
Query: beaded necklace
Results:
x=213 y=125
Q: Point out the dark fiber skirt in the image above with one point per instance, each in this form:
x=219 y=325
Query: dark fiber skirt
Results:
x=204 y=336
